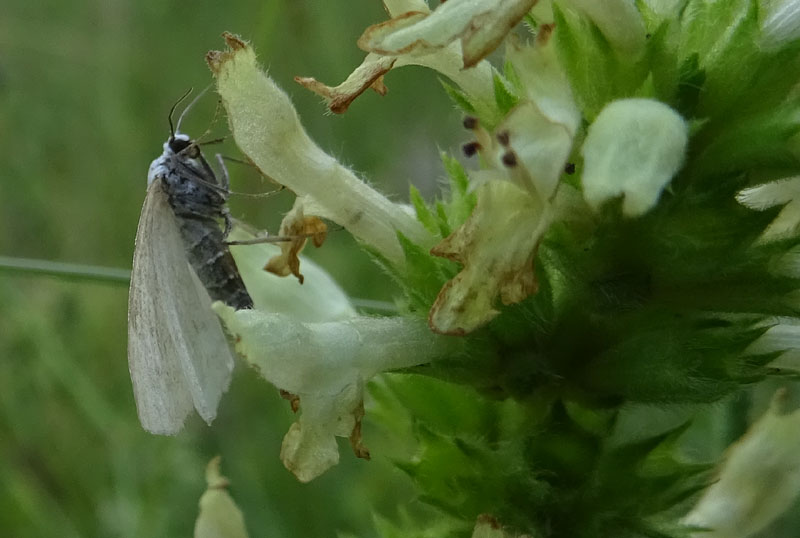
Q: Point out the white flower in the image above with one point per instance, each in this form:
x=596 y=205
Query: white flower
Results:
x=266 y=128
x=634 y=148
x=785 y=192
x=453 y=40
x=516 y=199
x=759 y=479
x=323 y=367
x=219 y=516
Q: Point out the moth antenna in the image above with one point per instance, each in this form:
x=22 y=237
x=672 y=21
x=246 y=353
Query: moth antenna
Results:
x=190 y=105
x=172 y=111
x=213 y=141
x=213 y=120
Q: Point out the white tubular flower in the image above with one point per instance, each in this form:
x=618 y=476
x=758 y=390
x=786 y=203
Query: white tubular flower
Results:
x=219 y=516
x=496 y=246
x=785 y=192
x=479 y=25
x=308 y=341
x=457 y=35
x=542 y=127
x=516 y=202
x=266 y=128
x=758 y=481
x=781 y=25
x=324 y=366
x=633 y=149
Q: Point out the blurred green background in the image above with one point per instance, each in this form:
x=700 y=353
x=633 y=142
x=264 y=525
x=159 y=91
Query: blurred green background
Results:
x=85 y=88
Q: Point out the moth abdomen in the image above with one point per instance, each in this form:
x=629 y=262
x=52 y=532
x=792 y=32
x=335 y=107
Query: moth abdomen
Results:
x=213 y=263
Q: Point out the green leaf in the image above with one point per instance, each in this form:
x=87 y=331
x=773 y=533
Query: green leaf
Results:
x=424 y=275
x=461 y=202
x=596 y=73
x=424 y=214
x=442 y=220
x=459 y=182
x=503 y=95
x=691 y=78
x=512 y=77
x=458 y=97
x=724 y=36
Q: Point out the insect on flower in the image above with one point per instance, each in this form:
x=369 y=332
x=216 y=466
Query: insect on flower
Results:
x=178 y=354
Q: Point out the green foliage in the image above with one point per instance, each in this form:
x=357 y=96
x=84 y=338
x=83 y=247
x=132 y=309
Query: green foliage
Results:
x=657 y=310
x=596 y=73
x=503 y=96
x=424 y=275
x=460 y=202
x=533 y=466
x=424 y=214
x=724 y=36
x=458 y=97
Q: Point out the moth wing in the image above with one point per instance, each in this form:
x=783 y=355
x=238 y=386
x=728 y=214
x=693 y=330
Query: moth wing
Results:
x=178 y=355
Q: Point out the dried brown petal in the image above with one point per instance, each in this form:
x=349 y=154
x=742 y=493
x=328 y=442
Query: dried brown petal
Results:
x=299 y=227
x=496 y=245
x=368 y=75
x=480 y=26
x=356 y=443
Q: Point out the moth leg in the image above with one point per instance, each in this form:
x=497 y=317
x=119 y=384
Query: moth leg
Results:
x=226 y=217
x=224 y=177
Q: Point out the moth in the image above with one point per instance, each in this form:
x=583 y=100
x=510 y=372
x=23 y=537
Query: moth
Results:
x=178 y=354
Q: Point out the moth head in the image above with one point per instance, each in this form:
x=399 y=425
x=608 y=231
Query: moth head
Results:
x=181 y=143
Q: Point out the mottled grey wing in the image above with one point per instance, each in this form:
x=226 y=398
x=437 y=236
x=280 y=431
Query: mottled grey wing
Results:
x=177 y=352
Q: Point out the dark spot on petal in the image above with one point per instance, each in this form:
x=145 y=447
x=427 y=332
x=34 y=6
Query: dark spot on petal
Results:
x=503 y=138
x=569 y=168
x=470 y=122
x=510 y=159
x=471 y=148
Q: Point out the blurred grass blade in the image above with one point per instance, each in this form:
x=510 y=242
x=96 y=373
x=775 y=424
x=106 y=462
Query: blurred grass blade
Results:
x=74 y=271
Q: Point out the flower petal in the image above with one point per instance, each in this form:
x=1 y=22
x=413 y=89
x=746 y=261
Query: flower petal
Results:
x=219 y=516
x=759 y=480
x=496 y=245
x=295 y=224
x=541 y=129
x=783 y=192
x=367 y=75
x=324 y=366
x=266 y=128
x=480 y=25
x=633 y=149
